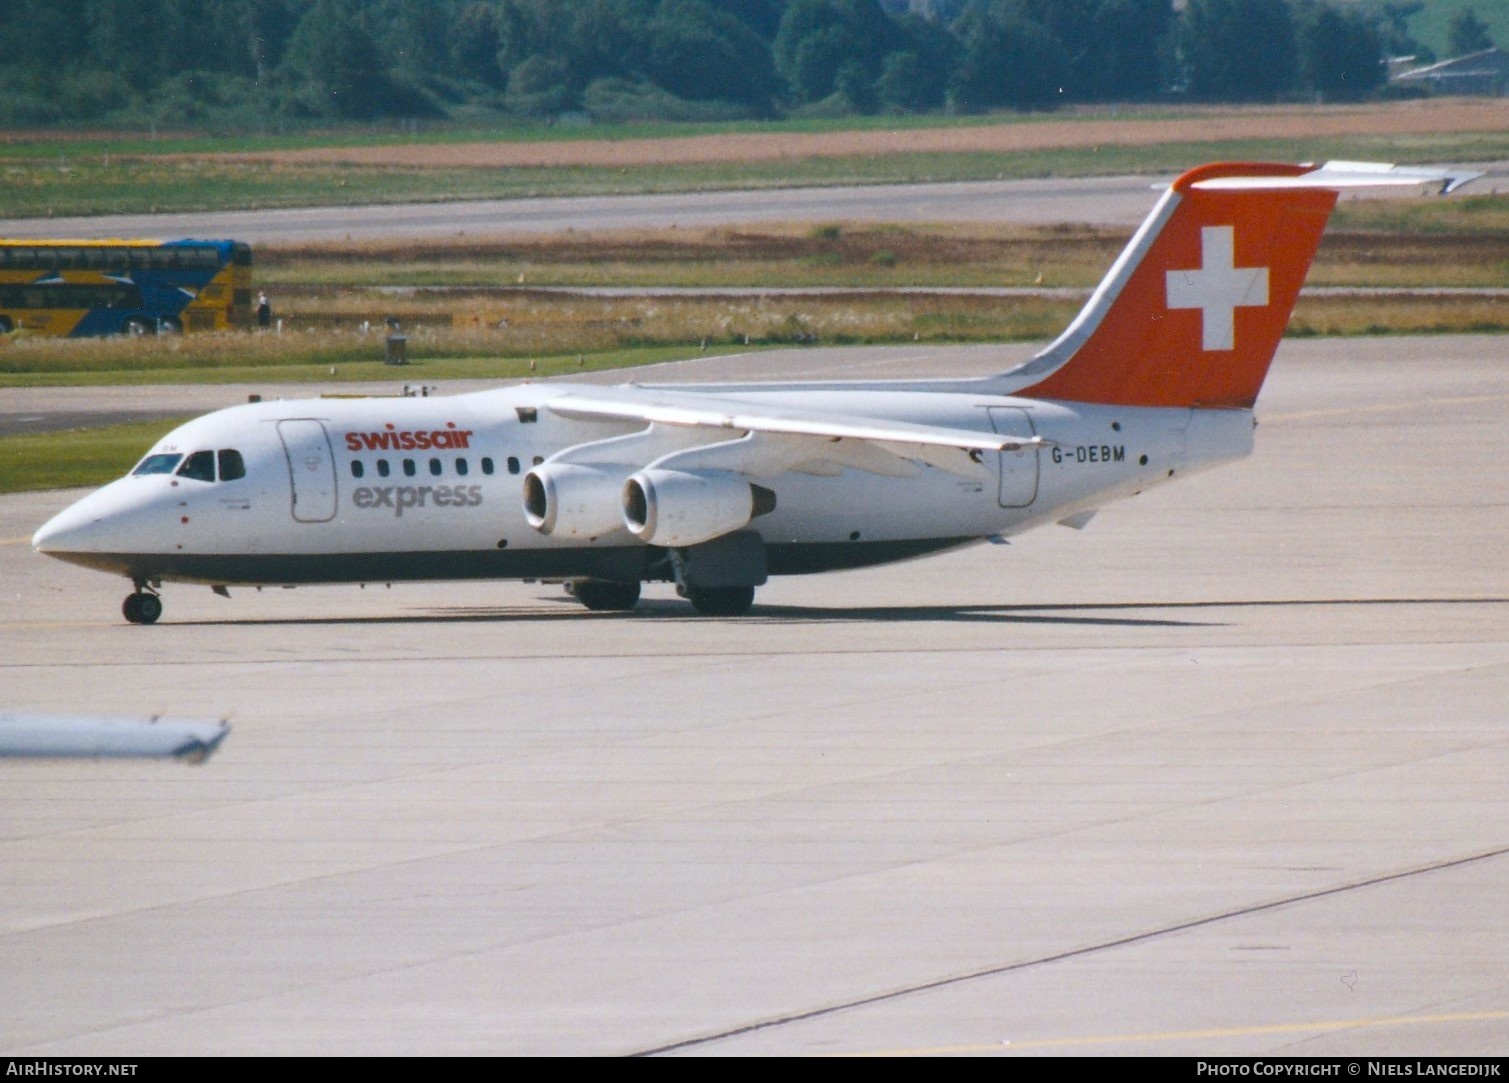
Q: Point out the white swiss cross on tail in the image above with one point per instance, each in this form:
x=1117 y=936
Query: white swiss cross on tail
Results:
x=1218 y=288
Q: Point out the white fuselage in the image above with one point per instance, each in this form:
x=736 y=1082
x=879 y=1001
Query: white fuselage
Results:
x=389 y=489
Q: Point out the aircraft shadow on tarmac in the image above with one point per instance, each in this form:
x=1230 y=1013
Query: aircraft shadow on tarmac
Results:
x=1115 y=614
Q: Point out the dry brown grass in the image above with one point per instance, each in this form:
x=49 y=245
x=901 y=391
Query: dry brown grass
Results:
x=862 y=255
x=1191 y=124
x=857 y=256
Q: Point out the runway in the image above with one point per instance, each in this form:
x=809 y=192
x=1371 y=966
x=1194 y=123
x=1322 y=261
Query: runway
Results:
x=1225 y=773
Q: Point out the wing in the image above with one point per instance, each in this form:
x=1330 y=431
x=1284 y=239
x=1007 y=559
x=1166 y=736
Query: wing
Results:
x=790 y=437
x=45 y=736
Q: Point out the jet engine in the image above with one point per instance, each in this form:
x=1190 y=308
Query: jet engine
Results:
x=573 y=501
x=686 y=507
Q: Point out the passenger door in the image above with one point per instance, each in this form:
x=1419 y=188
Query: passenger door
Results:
x=311 y=469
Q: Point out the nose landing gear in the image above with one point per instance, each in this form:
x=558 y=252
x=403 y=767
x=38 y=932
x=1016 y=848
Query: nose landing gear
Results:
x=142 y=606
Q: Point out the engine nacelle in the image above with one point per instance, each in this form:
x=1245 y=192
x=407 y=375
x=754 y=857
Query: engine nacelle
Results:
x=573 y=501
x=687 y=507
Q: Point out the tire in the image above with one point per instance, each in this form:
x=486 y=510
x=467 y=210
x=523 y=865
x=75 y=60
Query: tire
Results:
x=169 y=326
x=721 y=601
x=606 y=596
x=136 y=326
x=142 y=608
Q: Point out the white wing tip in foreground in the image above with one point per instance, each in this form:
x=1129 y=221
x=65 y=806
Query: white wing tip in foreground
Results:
x=48 y=736
x=1341 y=174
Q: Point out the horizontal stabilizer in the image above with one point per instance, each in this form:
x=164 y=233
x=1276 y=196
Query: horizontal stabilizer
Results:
x=1337 y=175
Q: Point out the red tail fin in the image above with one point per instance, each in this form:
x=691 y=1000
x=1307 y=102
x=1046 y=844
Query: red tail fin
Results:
x=1192 y=312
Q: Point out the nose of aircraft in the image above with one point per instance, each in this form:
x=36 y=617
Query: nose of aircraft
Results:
x=89 y=526
x=67 y=531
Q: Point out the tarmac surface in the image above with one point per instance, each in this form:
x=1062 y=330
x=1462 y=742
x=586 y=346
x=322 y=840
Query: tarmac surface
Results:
x=1227 y=772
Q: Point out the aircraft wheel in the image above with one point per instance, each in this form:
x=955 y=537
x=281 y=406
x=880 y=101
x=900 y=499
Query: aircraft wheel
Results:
x=605 y=596
x=169 y=326
x=136 y=327
x=721 y=601
x=6 y=327
x=141 y=608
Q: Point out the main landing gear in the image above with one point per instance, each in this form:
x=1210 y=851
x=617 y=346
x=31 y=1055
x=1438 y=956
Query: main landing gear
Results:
x=720 y=601
x=604 y=595
x=609 y=596
x=142 y=606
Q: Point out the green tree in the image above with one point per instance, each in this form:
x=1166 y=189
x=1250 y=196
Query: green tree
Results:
x=1466 y=33
x=1238 y=50
x=335 y=57
x=761 y=16
x=1008 y=58
x=1127 y=39
x=1340 y=51
x=1393 y=28
x=475 y=39
x=127 y=38
x=413 y=37
x=702 y=54
x=42 y=37
x=914 y=77
x=825 y=47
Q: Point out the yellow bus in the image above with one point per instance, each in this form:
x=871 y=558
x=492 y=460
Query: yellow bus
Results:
x=127 y=287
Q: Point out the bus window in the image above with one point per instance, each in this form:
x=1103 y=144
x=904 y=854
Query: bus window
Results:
x=200 y=466
x=202 y=258
x=157 y=464
x=232 y=465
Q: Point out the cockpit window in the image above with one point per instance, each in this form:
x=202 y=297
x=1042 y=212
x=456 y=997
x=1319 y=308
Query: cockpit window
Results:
x=200 y=466
x=157 y=464
x=232 y=465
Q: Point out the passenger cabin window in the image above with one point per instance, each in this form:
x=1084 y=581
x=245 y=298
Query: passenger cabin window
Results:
x=435 y=467
x=513 y=465
x=382 y=467
x=157 y=464
x=487 y=465
x=461 y=467
x=357 y=469
x=408 y=468
x=232 y=465
x=200 y=466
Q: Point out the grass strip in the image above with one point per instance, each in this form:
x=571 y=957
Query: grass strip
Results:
x=67 y=460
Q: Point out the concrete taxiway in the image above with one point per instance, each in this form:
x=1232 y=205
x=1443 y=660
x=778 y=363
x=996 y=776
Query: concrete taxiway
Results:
x=1115 y=200
x=1227 y=772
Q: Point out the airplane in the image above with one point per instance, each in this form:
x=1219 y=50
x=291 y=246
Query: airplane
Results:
x=33 y=736
x=718 y=487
